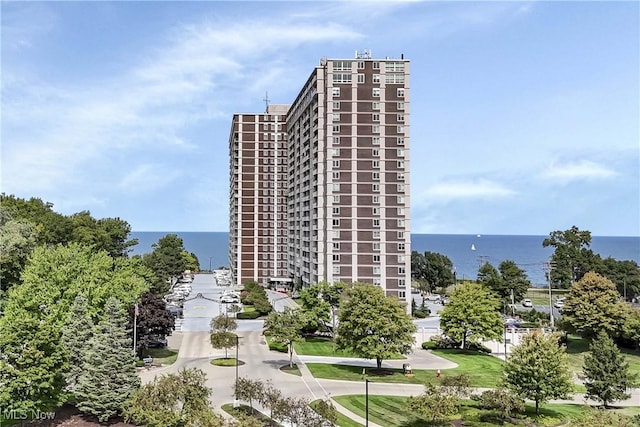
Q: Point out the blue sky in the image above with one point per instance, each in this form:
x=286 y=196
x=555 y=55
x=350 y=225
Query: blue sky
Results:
x=524 y=115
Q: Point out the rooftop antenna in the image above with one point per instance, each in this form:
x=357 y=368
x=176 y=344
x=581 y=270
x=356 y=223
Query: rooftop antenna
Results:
x=266 y=102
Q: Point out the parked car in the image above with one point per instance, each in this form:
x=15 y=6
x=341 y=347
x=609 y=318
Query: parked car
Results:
x=156 y=341
x=527 y=303
x=228 y=299
x=433 y=297
x=559 y=304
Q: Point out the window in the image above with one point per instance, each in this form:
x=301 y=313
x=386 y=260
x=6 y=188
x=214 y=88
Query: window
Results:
x=336 y=234
x=376 y=258
x=376 y=234
x=400 y=140
x=335 y=163
x=336 y=269
x=401 y=117
x=375 y=117
x=376 y=222
x=375 y=187
x=375 y=129
x=400 y=129
x=401 y=223
x=336 y=257
x=376 y=246
x=360 y=78
x=336 y=245
x=376 y=65
x=400 y=92
x=336 y=91
x=336 y=105
x=336 y=128
x=394 y=66
x=375 y=176
x=343 y=78
x=400 y=164
x=376 y=281
x=335 y=175
x=376 y=270
x=336 y=117
x=376 y=78
x=375 y=199
x=375 y=105
x=375 y=140
x=336 y=210
x=375 y=211
x=400 y=234
x=336 y=187
x=401 y=283
x=400 y=211
x=400 y=200
x=401 y=246
x=335 y=152
x=375 y=164
x=400 y=106
x=402 y=270
x=336 y=199
x=360 y=65
x=401 y=177
x=401 y=258
x=394 y=79
x=335 y=222
x=400 y=152
x=402 y=294
x=375 y=152
x=376 y=92
x=336 y=140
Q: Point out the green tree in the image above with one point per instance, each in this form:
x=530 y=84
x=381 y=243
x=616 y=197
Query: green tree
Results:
x=32 y=363
x=153 y=319
x=249 y=390
x=284 y=328
x=17 y=240
x=572 y=257
x=50 y=227
x=166 y=261
x=373 y=325
x=514 y=281
x=472 y=314
x=538 y=370
x=625 y=274
x=431 y=270
x=631 y=328
x=503 y=402
x=76 y=334
x=109 y=372
x=593 y=305
x=593 y=417
x=222 y=335
x=321 y=302
x=108 y=234
x=190 y=261
x=173 y=400
x=607 y=372
x=435 y=405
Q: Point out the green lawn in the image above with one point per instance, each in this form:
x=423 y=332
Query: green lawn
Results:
x=161 y=356
x=319 y=346
x=540 y=296
x=343 y=420
x=275 y=346
x=578 y=347
x=391 y=411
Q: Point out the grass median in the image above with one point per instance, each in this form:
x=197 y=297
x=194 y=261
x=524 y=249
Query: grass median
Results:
x=483 y=370
x=323 y=346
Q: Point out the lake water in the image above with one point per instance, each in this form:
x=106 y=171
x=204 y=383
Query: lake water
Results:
x=465 y=251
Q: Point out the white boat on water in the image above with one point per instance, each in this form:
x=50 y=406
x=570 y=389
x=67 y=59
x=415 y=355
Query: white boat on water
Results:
x=473 y=247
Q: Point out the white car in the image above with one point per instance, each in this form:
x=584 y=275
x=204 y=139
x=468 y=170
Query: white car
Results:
x=229 y=299
x=527 y=303
x=559 y=303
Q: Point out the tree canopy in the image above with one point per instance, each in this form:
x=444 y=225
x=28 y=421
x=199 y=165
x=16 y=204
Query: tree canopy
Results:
x=472 y=314
x=538 y=369
x=285 y=328
x=572 y=256
x=373 y=325
x=166 y=260
x=153 y=319
x=593 y=305
x=431 y=270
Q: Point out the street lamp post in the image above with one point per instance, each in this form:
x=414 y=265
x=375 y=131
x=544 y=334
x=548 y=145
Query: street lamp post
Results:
x=210 y=270
x=235 y=395
x=366 y=402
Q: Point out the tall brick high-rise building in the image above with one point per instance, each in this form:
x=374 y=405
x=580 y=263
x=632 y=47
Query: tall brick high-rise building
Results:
x=346 y=181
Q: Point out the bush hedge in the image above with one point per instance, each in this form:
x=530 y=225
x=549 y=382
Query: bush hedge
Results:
x=429 y=345
x=248 y=315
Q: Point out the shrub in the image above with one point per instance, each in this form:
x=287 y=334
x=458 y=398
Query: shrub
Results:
x=443 y=342
x=429 y=345
x=420 y=314
x=248 y=315
x=500 y=400
x=476 y=346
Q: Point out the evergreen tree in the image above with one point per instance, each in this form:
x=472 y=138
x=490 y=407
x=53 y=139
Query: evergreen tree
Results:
x=607 y=372
x=76 y=334
x=109 y=372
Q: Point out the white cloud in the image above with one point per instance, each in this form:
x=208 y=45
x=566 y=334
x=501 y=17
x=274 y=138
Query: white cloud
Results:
x=464 y=190
x=579 y=170
x=146 y=178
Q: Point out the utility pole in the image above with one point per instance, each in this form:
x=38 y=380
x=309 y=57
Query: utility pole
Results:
x=135 y=325
x=548 y=268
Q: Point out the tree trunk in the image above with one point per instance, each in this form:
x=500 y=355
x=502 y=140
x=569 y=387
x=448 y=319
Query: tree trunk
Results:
x=537 y=407
x=464 y=340
x=226 y=353
x=379 y=362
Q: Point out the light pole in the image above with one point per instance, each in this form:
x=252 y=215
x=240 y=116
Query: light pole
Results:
x=135 y=326
x=235 y=395
x=366 y=402
x=210 y=270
